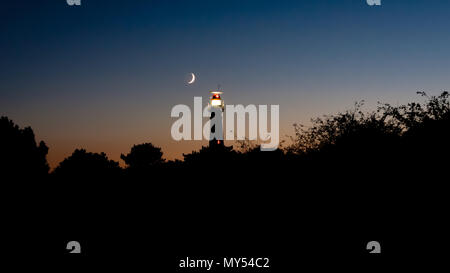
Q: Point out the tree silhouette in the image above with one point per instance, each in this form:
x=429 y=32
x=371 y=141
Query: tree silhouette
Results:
x=426 y=131
x=388 y=142
x=143 y=156
x=210 y=155
x=20 y=155
x=351 y=128
x=86 y=165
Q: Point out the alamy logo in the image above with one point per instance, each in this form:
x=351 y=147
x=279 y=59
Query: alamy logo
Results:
x=73 y=2
x=213 y=128
x=74 y=247
x=374 y=247
x=373 y=2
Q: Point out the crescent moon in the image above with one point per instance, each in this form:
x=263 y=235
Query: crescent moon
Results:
x=193 y=79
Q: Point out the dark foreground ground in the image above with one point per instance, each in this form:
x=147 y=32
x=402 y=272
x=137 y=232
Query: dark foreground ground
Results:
x=296 y=220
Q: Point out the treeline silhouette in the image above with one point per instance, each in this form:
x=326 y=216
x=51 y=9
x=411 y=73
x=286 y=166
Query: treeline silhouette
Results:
x=381 y=170
x=416 y=134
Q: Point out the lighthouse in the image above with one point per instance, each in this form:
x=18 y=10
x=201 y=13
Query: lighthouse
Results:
x=216 y=105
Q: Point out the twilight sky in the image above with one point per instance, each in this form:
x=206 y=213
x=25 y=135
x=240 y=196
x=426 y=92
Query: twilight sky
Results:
x=104 y=76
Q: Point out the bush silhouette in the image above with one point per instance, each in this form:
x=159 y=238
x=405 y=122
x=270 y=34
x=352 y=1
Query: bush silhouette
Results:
x=143 y=156
x=20 y=155
x=85 y=166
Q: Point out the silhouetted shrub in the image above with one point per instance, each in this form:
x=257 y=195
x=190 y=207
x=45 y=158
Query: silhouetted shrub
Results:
x=20 y=156
x=143 y=156
x=352 y=129
x=415 y=135
x=86 y=165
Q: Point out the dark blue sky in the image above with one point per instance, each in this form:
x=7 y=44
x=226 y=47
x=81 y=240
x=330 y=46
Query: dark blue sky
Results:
x=105 y=75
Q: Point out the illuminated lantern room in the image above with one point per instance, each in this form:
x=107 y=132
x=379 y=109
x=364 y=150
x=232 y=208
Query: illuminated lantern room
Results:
x=216 y=100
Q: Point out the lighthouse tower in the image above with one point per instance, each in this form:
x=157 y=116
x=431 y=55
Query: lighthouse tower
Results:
x=217 y=105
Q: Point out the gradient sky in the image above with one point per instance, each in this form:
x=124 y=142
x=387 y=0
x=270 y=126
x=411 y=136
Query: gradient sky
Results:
x=105 y=75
